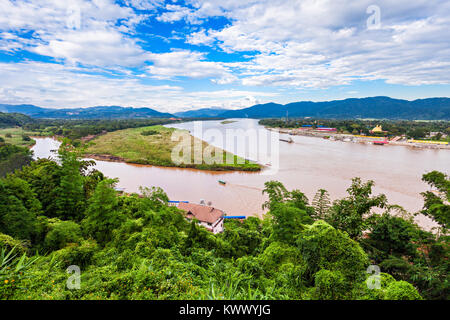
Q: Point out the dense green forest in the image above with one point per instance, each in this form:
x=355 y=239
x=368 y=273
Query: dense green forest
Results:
x=12 y=157
x=411 y=129
x=76 y=129
x=13 y=119
x=129 y=246
x=98 y=112
x=352 y=108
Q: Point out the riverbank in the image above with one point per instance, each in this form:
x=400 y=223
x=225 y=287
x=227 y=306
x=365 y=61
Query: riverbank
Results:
x=307 y=165
x=153 y=146
x=396 y=141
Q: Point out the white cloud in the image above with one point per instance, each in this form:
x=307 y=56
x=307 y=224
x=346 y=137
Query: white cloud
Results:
x=185 y=63
x=55 y=85
x=307 y=44
x=176 y=13
x=93 y=47
x=199 y=38
x=320 y=43
x=87 y=32
x=144 y=4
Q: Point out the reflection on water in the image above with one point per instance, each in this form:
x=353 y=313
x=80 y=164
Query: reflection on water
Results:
x=45 y=148
x=307 y=164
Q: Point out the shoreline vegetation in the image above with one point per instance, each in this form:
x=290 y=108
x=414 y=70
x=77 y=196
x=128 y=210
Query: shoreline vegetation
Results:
x=415 y=138
x=18 y=136
x=15 y=145
x=59 y=215
x=360 y=139
x=56 y=215
x=153 y=145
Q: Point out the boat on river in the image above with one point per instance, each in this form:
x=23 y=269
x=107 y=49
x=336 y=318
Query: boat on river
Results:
x=381 y=142
x=287 y=140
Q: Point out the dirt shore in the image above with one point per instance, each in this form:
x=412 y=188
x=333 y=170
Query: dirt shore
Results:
x=356 y=139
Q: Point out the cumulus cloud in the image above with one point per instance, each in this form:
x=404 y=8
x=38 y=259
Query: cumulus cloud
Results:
x=274 y=45
x=55 y=85
x=86 y=32
x=185 y=63
x=144 y=4
x=177 y=13
x=93 y=47
x=322 y=43
x=199 y=38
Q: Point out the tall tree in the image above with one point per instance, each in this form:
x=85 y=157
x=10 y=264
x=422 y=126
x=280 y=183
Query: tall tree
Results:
x=71 y=196
x=437 y=201
x=277 y=193
x=324 y=247
x=18 y=213
x=102 y=214
x=321 y=204
x=351 y=213
x=288 y=222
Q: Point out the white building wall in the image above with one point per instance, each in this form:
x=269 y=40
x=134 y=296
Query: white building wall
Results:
x=218 y=227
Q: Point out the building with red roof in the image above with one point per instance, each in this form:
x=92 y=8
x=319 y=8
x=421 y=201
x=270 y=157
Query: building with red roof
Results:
x=209 y=217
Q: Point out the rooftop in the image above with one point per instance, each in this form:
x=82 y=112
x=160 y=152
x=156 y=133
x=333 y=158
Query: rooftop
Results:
x=201 y=212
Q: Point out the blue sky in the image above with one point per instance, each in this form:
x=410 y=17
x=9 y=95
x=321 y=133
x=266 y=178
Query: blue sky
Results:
x=180 y=55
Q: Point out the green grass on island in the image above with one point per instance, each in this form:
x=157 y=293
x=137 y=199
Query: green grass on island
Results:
x=18 y=137
x=228 y=121
x=153 y=145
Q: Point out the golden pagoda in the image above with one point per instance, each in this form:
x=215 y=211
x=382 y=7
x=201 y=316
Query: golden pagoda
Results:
x=377 y=129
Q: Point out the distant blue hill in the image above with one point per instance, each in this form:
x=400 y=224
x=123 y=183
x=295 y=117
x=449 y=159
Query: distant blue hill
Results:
x=201 y=113
x=27 y=109
x=375 y=107
x=100 y=112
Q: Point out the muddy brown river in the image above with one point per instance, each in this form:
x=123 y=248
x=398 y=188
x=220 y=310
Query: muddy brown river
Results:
x=307 y=164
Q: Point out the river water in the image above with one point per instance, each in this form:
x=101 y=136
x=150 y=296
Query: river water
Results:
x=308 y=164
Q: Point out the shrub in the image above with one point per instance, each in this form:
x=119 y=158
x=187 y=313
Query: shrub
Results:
x=8 y=243
x=401 y=290
x=74 y=254
x=149 y=132
x=330 y=285
x=62 y=234
x=324 y=247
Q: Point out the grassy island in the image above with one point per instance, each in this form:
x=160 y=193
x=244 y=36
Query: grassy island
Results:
x=153 y=145
x=18 y=136
x=228 y=121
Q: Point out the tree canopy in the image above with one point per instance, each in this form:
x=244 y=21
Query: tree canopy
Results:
x=135 y=246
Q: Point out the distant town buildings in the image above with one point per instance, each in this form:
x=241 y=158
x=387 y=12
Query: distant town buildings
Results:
x=326 y=129
x=319 y=128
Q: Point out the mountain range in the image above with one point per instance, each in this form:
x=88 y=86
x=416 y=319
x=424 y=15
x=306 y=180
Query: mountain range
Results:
x=363 y=108
x=100 y=112
x=201 y=113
